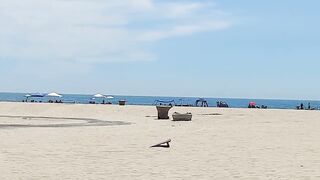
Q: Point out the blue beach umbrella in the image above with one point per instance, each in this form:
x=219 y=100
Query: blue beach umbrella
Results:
x=34 y=95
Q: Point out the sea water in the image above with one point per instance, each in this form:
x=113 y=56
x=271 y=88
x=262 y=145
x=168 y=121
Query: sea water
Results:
x=150 y=100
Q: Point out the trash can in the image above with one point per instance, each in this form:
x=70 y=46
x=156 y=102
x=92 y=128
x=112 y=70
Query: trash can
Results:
x=163 y=111
x=122 y=102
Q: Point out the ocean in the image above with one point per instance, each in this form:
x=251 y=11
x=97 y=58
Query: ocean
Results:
x=150 y=100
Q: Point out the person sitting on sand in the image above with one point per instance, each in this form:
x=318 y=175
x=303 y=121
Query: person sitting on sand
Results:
x=301 y=106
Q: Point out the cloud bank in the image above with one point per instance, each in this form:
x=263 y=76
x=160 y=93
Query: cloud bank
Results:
x=100 y=31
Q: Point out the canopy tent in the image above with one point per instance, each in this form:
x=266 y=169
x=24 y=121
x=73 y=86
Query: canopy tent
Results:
x=164 y=102
x=201 y=103
x=54 y=95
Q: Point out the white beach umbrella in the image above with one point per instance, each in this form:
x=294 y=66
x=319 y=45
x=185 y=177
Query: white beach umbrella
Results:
x=54 y=95
x=99 y=96
x=110 y=97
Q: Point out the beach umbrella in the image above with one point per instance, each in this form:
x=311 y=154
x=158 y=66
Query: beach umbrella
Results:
x=252 y=103
x=54 y=95
x=35 y=95
x=27 y=96
x=109 y=97
x=99 y=96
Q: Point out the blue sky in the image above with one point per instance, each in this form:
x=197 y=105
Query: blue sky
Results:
x=208 y=48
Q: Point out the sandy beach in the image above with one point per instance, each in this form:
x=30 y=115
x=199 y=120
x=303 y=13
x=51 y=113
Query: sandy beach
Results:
x=62 y=141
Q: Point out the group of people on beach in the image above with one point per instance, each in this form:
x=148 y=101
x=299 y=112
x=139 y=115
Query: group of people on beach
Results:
x=103 y=102
x=50 y=101
x=56 y=101
x=219 y=104
x=301 y=107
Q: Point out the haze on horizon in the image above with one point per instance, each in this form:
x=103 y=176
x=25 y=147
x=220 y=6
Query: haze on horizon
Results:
x=209 y=48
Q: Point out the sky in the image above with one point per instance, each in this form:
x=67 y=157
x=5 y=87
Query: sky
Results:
x=200 y=48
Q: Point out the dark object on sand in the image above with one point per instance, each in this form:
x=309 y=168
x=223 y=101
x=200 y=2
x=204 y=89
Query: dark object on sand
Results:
x=163 y=111
x=181 y=117
x=211 y=114
x=164 y=144
x=122 y=102
x=201 y=103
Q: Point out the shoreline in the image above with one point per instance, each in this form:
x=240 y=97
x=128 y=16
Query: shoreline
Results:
x=134 y=105
x=149 y=101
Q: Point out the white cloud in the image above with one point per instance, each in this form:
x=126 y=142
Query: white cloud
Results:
x=179 y=9
x=183 y=30
x=97 y=30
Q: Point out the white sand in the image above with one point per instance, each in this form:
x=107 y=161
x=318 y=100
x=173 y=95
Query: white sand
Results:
x=239 y=144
